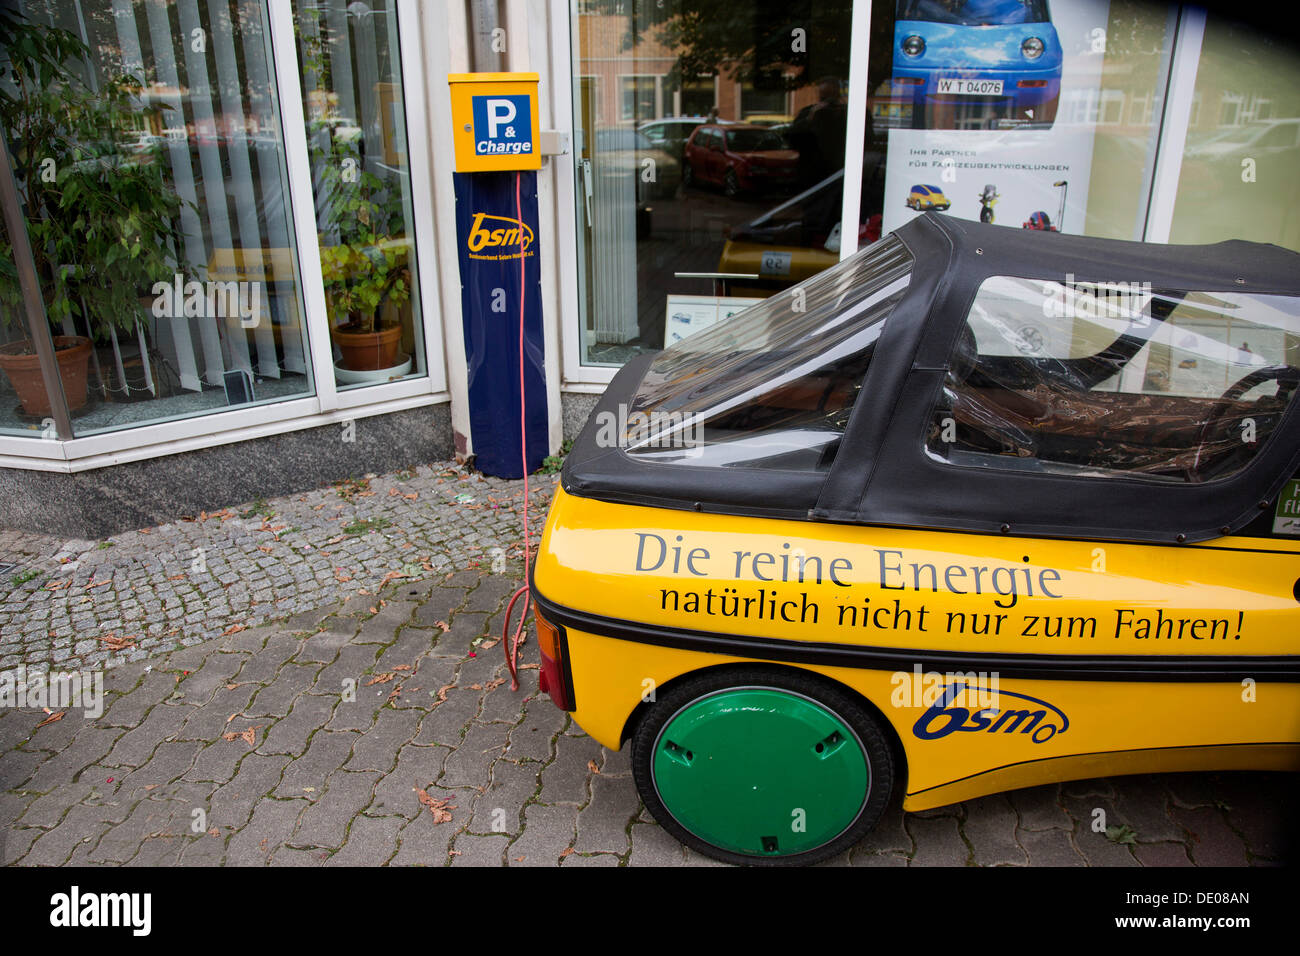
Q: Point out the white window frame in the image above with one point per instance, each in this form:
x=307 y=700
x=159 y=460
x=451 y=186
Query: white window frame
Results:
x=328 y=405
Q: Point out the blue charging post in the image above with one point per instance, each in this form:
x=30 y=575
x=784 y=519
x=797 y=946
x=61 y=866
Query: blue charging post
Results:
x=495 y=130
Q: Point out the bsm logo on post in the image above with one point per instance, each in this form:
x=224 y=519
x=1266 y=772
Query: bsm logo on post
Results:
x=498 y=234
x=942 y=718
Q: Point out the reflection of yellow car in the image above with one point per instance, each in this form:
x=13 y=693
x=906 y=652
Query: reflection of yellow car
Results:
x=925 y=198
x=775 y=266
x=852 y=542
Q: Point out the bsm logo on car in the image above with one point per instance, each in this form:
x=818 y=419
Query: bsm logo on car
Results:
x=942 y=718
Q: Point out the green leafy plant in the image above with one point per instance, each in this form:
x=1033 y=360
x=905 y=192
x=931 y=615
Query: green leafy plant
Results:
x=1123 y=834
x=553 y=464
x=102 y=217
x=30 y=575
x=363 y=245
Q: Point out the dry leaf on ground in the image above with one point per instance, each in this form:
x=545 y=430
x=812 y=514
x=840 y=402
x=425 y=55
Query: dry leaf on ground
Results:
x=441 y=809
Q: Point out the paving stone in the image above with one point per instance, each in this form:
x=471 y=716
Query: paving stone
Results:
x=533 y=737
x=129 y=709
x=352 y=662
x=866 y=858
x=1161 y=854
x=255 y=843
x=1096 y=848
x=499 y=808
x=653 y=846
x=378 y=747
x=417 y=767
x=1142 y=803
x=208 y=850
x=1039 y=809
x=209 y=722
x=123 y=841
x=547 y=833
x=1050 y=848
x=293 y=856
x=276 y=698
x=325 y=822
x=233 y=803
x=89 y=748
x=326 y=753
x=602 y=824
x=47 y=810
x=411 y=644
x=55 y=846
x=323 y=646
x=564 y=779
x=169 y=762
x=938 y=842
x=990 y=828
x=380 y=628
x=479 y=850
x=423 y=842
x=289 y=735
x=889 y=834
x=216 y=671
x=579 y=859
x=469 y=763
x=372 y=841
x=1211 y=841
x=15 y=842
x=439 y=606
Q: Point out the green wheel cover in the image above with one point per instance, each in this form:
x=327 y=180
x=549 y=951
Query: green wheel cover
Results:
x=760 y=771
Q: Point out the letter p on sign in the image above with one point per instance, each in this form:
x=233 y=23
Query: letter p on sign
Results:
x=500 y=111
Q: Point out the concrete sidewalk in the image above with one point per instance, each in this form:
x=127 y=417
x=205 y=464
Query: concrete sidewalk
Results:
x=375 y=724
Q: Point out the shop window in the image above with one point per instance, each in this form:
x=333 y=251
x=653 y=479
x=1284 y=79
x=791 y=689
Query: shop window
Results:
x=354 y=107
x=1117 y=380
x=638 y=98
x=152 y=169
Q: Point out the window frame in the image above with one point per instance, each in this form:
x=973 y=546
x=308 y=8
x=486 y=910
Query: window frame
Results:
x=328 y=405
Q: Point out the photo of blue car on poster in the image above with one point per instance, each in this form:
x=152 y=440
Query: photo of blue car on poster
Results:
x=976 y=64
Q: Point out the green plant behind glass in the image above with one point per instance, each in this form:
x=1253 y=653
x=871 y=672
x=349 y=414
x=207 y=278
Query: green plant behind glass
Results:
x=103 y=225
x=363 y=249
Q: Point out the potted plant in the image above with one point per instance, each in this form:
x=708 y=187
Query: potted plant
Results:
x=363 y=251
x=102 y=223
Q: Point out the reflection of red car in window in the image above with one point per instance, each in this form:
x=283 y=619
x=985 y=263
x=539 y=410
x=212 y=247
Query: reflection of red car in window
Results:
x=739 y=158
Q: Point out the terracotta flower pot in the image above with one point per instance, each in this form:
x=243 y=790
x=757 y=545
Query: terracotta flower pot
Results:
x=72 y=352
x=367 y=351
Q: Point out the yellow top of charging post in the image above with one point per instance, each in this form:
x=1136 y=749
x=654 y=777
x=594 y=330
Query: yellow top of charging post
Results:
x=494 y=121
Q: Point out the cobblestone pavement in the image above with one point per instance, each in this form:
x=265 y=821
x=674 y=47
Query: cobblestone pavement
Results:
x=343 y=733
x=74 y=602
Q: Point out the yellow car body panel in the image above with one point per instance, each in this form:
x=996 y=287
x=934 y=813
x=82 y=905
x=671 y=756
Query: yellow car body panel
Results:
x=870 y=591
x=746 y=258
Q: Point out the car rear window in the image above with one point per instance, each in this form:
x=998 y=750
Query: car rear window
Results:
x=1117 y=379
x=773 y=386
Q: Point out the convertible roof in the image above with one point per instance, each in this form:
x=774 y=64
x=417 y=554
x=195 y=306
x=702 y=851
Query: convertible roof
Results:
x=882 y=475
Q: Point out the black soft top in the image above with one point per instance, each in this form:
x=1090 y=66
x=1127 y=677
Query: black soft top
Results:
x=881 y=474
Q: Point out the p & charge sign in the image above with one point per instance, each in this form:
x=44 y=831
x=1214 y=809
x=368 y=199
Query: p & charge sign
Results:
x=494 y=121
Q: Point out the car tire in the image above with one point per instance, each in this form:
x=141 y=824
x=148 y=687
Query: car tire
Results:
x=688 y=175
x=730 y=185
x=762 y=765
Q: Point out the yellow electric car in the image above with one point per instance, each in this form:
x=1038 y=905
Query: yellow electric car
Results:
x=952 y=517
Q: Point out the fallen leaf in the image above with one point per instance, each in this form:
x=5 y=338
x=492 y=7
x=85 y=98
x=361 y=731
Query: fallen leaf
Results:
x=381 y=678
x=402 y=667
x=494 y=684
x=442 y=693
x=214 y=832
x=231 y=686
x=528 y=667
x=264 y=548
x=234 y=629
x=567 y=852
x=52 y=718
x=488 y=645
x=151 y=786
x=519 y=859
x=591 y=765
x=249 y=736
x=441 y=809
x=442 y=624
x=475 y=686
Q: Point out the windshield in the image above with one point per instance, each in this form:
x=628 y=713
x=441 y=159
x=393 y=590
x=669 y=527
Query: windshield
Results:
x=979 y=13
x=753 y=140
x=773 y=385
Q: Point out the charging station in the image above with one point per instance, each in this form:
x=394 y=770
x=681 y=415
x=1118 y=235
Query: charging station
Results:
x=497 y=146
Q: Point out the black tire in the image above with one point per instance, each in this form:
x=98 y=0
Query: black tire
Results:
x=688 y=175
x=730 y=185
x=872 y=737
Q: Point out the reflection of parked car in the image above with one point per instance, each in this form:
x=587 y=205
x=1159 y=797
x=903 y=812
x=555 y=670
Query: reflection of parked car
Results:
x=977 y=55
x=670 y=134
x=867 y=547
x=924 y=198
x=739 y=158
x=1251 y=139
x=622 y=151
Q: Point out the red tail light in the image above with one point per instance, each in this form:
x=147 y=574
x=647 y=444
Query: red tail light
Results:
x=551 y=680
x=1031 y=84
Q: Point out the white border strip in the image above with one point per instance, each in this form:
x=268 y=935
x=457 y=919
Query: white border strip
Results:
x=1177 y=117
x=856 y=133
